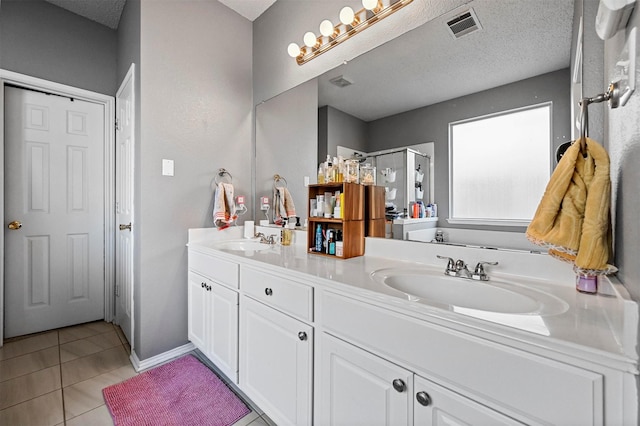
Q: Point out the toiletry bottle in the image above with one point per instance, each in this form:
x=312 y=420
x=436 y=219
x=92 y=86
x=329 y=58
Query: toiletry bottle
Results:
x=328 y=170
x=319 y=239
x=340 y=169
x=321 y=173
x=331 y=244
x=329 y=240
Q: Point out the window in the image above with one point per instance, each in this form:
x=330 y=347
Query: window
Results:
x=499 y=166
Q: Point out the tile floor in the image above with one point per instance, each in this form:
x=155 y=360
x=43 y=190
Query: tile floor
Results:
x=56 y=377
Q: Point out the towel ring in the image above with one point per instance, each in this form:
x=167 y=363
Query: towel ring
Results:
x=222 y=175
x=278 y=178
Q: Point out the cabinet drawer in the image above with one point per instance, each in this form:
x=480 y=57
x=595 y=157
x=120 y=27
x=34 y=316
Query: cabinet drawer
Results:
x=287 y=295
x=219 y=270
x=518 y=383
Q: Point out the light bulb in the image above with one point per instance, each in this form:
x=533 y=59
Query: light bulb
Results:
x=293 y=50
x=369 y=4
x=346 y=15
x=326 y=28
x=310 y=39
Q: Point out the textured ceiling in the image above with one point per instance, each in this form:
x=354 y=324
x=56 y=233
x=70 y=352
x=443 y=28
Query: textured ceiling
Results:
x=250 y=9
x=105 y=12
x=519 y=39
x=108 y=12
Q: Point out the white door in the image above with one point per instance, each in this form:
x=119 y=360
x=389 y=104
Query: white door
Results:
x=360 y=389
x=54 y=189
x=125 y=110
x=223 y=323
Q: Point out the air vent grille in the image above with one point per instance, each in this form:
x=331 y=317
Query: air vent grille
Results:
x=464 y=24
x=340 y=81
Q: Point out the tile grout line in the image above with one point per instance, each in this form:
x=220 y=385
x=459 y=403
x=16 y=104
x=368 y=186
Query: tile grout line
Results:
x=64 y=412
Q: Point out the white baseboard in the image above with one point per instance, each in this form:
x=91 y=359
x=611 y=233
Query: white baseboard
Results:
x=160 y=358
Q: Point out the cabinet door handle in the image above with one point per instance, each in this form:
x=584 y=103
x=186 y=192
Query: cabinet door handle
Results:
x=302 y=336
x=399 y=385
x=203 y=285
x=208 y=288
x=268 y=291
x=423 y=398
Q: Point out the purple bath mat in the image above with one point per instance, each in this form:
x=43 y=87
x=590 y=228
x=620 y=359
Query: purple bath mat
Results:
x=182 y=392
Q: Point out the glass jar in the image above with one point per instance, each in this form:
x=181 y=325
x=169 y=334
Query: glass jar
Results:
x=368 y=174
x=352 y=171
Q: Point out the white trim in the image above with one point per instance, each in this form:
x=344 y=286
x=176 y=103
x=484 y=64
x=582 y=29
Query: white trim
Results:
x=494 y=222
x=154 y=361
x=109 y=148
x=130 y=76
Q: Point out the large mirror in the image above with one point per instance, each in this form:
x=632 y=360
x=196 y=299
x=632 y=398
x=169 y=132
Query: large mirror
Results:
x=407 y=91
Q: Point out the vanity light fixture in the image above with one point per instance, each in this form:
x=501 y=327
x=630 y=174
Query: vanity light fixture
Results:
x=351 y=23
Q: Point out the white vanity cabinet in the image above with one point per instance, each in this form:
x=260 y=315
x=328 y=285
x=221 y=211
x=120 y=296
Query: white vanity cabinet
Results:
x=276 y=346
x=358 y=387
x=213 y=310
x=488 y=379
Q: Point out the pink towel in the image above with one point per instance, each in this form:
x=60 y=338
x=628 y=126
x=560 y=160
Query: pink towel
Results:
x=282 y=205
x=224 y=206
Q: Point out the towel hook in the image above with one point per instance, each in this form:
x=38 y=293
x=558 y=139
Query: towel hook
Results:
x=277 y=178
x=223 y=174
x=612 y=95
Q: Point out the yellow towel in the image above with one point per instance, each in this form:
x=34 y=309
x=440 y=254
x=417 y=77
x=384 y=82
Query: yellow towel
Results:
x=573 y=217
x=224 y=206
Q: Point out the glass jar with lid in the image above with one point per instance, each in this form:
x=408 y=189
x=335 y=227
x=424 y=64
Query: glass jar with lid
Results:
x=368 y=174
x=352 y=171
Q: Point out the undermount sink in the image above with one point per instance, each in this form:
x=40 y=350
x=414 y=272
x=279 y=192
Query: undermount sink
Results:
x=428 y=286
x=244 y=245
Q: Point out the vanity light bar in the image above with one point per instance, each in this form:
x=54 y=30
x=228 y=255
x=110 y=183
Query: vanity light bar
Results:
x=351 y=24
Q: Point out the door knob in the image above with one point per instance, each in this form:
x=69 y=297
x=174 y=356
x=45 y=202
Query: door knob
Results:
x=123 y=227
x=15 y=225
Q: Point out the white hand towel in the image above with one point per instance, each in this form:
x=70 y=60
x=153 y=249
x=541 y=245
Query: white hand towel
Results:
x=224 y=207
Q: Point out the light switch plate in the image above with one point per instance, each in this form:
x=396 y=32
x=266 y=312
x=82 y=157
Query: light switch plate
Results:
x=167 y=167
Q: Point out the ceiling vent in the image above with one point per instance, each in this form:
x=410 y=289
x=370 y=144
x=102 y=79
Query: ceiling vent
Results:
x=340 y=81
x=463 y=24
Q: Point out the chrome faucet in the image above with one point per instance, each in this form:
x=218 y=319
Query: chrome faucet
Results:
x=460 y=269
x=479 y=273
x=264 y=239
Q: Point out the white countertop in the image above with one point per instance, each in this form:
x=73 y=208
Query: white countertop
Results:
x=599 y=328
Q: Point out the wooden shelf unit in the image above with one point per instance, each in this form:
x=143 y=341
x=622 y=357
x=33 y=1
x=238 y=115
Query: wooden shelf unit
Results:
x=351 y=224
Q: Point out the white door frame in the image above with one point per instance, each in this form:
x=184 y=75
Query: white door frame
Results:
x=108 y=102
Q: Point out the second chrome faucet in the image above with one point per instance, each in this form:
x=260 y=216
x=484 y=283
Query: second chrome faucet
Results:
x=460 y=269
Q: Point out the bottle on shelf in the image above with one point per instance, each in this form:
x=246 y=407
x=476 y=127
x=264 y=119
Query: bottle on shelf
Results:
x=318 y=241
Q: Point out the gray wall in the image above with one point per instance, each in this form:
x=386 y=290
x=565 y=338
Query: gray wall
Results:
x=288 y=122
x=196 y=109
x=339 y=128
x=593 y=69
x=431 y=123
x=623 y=136
x=45 y=41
